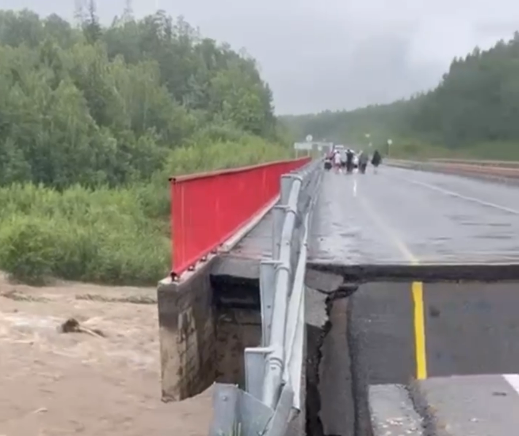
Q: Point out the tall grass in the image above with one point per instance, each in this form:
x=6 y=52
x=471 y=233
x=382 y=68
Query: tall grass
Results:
x=113 y=236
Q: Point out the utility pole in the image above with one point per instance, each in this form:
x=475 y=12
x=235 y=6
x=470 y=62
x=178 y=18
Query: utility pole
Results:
x=389 y=143
x=79 y=12
x=128 y=11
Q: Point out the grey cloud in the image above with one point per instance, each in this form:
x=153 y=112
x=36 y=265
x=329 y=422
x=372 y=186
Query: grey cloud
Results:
x=333 y=54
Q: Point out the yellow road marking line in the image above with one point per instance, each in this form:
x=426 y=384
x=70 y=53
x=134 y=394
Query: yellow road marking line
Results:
x=419 y=331
x=417 y=294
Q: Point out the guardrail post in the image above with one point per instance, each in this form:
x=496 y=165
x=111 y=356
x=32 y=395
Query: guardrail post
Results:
x=278 y=213
x=225 y=399
x=255 y=370
x=279 y=424
x=274 y=363
x=267 y=288
x=286 y=187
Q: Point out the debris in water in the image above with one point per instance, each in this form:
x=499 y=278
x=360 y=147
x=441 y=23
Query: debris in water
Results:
x=72 y=325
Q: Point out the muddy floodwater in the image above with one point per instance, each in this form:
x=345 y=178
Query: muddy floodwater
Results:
x=78 y=383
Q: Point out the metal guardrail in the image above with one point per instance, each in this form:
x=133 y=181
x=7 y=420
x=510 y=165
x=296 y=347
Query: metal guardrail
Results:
x=273 y=371
x=487 y=170
x=482 y=162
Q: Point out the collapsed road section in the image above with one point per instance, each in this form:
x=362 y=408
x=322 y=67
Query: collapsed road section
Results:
x=391 y=348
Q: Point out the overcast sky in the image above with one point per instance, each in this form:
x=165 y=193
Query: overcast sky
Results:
x=334 y=54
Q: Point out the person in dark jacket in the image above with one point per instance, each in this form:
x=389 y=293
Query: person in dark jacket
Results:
x=376 y=159
x=349 y=160
x=363 y=162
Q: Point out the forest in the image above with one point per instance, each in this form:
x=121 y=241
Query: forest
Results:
x=93 y=121
x=473 y=112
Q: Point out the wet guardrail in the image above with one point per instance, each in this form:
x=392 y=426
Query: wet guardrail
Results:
x=274 y=392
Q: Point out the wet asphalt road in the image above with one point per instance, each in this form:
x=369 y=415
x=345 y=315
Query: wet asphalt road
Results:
x=408 y=217
x=459 y=406
x=401 y=216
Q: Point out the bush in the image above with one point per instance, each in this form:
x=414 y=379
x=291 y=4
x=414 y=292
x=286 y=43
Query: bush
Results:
x=100 y=236
x=112 y=236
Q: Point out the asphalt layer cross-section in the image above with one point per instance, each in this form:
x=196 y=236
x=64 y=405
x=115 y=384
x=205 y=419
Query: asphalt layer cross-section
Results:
x=402 y=216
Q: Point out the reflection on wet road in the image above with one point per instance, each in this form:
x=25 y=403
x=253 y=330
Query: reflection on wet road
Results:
x=404 y=216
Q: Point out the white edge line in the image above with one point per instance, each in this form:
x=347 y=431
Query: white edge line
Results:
x=463 y=197
x=513 y=380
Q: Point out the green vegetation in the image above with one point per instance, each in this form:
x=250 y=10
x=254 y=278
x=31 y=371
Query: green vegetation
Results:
x=94 y=119
x=473 y=113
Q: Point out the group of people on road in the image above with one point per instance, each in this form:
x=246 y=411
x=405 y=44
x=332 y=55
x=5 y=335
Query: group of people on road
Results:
x=344 y=159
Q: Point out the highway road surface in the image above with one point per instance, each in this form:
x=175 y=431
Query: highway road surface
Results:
x=412 y=217
x=429 y=330
x=457 y=406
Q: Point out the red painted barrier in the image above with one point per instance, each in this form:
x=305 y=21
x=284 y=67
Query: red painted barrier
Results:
x=207 y=209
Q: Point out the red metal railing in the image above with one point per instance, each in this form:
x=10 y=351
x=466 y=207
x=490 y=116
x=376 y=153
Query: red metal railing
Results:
x=207 y=209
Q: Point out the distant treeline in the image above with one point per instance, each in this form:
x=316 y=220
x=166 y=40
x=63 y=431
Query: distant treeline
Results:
x=474 y=110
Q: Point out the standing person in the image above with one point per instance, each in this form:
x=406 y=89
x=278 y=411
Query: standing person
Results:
x=343 y=159
x=363 y=162
x=349 y=160
x=337 y=160
x=376 y=160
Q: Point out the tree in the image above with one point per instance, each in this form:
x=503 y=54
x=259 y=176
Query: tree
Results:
x=476 y=102
x=128 y=11
x=108 y=105
x=91 y=27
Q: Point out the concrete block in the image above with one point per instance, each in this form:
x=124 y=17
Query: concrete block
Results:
x=187 y=335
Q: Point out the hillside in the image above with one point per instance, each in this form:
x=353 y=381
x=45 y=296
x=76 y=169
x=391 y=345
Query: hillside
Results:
x=472 y=112
x=94 y=119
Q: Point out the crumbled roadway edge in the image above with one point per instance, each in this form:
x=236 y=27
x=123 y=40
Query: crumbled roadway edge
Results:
x=392 y=412
x=337 y=405
x=323 y=290
x=317 y=328
x=430 y=423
